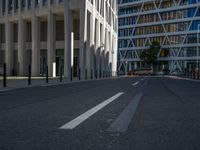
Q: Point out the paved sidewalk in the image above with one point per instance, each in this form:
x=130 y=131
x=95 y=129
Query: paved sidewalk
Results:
x=22 y=82
x=182 y=78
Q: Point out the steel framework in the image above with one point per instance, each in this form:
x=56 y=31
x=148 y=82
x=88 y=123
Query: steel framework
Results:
x=174 y=23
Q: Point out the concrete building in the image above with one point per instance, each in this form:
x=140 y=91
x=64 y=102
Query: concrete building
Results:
x=58 y=33
x=174 y=24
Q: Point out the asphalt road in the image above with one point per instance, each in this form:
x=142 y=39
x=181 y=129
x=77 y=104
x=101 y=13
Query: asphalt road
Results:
x=146 y=113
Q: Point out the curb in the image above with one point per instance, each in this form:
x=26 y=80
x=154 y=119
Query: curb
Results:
x=10 y=88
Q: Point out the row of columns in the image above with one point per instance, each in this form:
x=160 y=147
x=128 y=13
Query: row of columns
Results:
x=28 y=5
x=95 y=42
x=101 y=43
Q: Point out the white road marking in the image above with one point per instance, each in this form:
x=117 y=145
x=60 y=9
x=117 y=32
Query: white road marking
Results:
x=136 y=83
x=5 y=90
x=74 y=123
x=49 y=85
x=124 y=119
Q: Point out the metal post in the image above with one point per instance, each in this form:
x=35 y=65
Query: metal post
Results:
x=85 y=74
x=79 y=74
x=47 y=75
x=91 y=74
x=61 y=74
x=29 y=74
x=193 y=74
x=71 y=75
x=198 y=74
x=107 y=74
x=4 y=75
x=198 y=46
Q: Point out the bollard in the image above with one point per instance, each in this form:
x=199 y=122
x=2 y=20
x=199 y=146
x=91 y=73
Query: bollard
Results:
x=85 y=74
x=4 y=75
x=71 y=75
x=96 y=74
x=47 y=75
x=29 y=74
x=193 y=74
x=79 y=74
x=91 y=74
x=99 y=74
x=61 y=74
x=106 y=74
x=198 y=73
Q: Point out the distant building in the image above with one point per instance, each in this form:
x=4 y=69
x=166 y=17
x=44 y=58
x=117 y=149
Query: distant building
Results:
x=173 y=23
x=58 y=33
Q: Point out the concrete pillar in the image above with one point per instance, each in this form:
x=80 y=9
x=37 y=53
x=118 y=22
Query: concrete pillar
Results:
x=6 y=9
x=104 y=49
x=0 y=7
x=98 y=48
x=26 y=4
x=8 y=49
x=185 y=63
x=13 y=10
x=50 y=42
x=35 y=46
x=68 y=27
x=21 y=51
x=90 y=44
x=110 y=50
x=83 y=36
x=135 y=65
x=92 y=40
x=114 y=55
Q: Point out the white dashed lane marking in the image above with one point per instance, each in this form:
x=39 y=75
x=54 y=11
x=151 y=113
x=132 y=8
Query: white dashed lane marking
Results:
x=136 y=83
x=77 y=121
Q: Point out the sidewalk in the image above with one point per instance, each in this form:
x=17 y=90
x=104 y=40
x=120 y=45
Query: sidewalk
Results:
x=22 y=82
x=183 y=78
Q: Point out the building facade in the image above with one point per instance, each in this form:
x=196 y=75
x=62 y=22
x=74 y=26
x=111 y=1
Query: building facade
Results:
x=68 y=34
x=174 y=24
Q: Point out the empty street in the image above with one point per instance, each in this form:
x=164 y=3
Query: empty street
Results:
x=129 y=113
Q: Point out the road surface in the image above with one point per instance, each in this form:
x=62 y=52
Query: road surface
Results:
x=143 y=113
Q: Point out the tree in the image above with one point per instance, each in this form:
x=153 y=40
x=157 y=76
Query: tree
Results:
x=150 y=55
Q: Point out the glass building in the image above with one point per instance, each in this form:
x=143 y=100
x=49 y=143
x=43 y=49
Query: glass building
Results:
x=175 y=24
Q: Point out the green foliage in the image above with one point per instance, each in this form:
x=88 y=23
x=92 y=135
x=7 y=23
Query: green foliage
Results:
x=150 y=55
